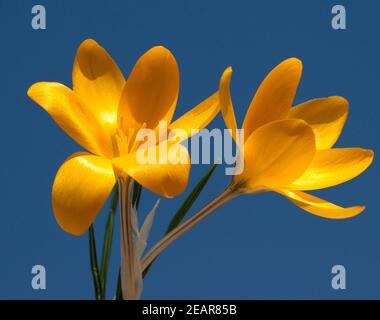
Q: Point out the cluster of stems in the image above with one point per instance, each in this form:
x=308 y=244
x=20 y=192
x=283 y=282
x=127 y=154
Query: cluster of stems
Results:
x=129 y=270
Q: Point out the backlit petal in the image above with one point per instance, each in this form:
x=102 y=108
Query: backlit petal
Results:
x=151 y=91
x=277 y=153
x=319 y=206
x=225 y=101
x=326 y=116
x=333 y=166
x=155 y=170
x=98 y=81
x=80 y=188
x=198 y=117
x=69 y=112
x=275 y=95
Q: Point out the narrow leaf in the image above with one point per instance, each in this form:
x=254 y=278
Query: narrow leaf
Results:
x=140 y=241
x=119 y=295
x=186 y=205
x=108 y=236
x=145 y=230
x=94 y=265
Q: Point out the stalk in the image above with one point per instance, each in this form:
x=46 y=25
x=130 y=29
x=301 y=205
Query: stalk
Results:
x=94 y=265
x=129 y=284
x=222 y=198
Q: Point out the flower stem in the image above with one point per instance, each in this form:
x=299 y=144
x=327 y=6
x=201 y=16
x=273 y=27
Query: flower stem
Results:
x=129 y=286
x=108 y=236
x=222 y=198
x=94 y=265
x=136 y=194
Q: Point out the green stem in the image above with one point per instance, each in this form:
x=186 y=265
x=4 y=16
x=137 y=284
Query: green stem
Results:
x=94 y=265
x=107 y=240
x=119 y=294
x=186 y=205
x=225 y=196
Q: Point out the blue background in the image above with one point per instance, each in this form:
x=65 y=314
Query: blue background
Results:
x=255 y=247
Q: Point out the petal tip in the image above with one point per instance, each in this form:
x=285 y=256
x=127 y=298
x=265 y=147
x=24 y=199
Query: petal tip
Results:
x=161 y=51
x=228 y=70
x=356 y=210
x=89 y=43
x=31 y=90
x=370 y=155
x=295 y=62
x=341 y=102
x=37 y=88
x=226 y=77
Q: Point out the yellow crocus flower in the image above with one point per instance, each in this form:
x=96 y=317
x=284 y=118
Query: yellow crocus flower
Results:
x=285 y=149
x=289 y=149
x=103 y=113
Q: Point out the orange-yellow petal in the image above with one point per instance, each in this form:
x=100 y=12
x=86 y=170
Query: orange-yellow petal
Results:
x=98 y=81
x=225 y=101
x=275 y=95
x=333 y=166
x=319 y=206
x=198 y=117
x=70 y=113
x=80 y=188
x=277 y=153
x=151 y=91
x=163 y=171
x=326 y=116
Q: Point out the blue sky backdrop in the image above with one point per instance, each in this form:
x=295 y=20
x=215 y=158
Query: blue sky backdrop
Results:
x=255 y=247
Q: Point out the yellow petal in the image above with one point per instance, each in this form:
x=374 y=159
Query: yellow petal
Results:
x=319 y=206
x=80 y=188
x=198 y=117
x=277 y=153
x=69 y=112
x=326 y=116
x=98 y=81
x=159 y=174
x=275 y=95
x=151 y=91
x=225 y=101
x=333 y=166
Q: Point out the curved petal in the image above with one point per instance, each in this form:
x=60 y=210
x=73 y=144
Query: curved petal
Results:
x=326 y=116
x=275 y=95
x=98 y=81
x=151 y=91
x=198 y=117
x=277 y=153
x=80 y=188
x=68 y=111
x=319 y=206
x=225 y=101
x=333 y=166
x=164 y=171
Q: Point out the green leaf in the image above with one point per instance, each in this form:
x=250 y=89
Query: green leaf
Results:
x=108 y=236
x=119 y=295
x=94 y=265
x=186 y=205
